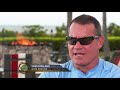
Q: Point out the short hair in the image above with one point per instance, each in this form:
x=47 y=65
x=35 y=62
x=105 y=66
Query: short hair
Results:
x=87 y=19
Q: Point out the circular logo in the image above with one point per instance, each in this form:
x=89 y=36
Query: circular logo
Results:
x=24 y=67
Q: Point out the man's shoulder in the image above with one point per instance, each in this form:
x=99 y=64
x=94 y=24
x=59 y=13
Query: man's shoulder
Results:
x=67 y=65
x=57 y=74
x=109 y=65
x=113 y=69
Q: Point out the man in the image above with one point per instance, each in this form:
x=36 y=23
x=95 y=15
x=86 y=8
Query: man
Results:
x=84 y=41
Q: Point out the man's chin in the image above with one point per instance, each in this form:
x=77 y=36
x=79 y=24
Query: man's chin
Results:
x=81 y=63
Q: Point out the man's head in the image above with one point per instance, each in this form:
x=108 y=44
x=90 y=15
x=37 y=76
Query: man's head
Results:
x=87 y=19
x=84 y=40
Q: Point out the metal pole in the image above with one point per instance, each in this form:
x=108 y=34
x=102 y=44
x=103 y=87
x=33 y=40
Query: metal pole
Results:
x=69 y=19
x=106 y=44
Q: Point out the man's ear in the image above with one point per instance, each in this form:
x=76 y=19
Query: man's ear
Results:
x=101 y=42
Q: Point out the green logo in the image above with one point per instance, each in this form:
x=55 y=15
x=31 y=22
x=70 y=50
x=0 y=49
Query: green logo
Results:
x=24 y=67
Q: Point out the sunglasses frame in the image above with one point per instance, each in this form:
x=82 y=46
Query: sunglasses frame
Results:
x=81 y=40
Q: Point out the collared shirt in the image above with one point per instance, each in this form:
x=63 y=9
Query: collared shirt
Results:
x=104 y=69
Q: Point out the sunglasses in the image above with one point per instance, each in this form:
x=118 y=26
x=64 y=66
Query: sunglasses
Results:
x=82 y=41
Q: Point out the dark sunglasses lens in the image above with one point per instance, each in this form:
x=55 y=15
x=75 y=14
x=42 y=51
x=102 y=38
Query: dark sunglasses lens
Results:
x=72 y=41
x=83 y=41
x=86 y=40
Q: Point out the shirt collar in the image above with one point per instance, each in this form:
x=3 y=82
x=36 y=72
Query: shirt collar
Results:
x=91 y=72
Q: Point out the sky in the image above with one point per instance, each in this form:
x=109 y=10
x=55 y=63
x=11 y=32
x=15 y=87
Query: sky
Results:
x=50 y=18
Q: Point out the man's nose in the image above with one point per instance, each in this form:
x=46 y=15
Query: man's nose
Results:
x=78 y=45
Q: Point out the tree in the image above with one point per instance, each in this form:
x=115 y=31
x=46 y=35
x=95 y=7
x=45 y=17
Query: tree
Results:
x=111 y=28
x=114 y=30
x=61 y=31
x=34 y=31
x=7 y=33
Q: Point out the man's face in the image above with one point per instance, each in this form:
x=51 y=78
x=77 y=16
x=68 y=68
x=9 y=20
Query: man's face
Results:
x=84 y=54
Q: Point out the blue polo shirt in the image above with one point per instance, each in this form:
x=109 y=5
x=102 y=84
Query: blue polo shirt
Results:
x=104 y=69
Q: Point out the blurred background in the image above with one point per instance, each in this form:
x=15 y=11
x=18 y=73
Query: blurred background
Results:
x=42 y=35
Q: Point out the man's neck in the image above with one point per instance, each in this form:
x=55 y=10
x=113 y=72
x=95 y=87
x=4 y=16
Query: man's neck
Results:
x=86 y=68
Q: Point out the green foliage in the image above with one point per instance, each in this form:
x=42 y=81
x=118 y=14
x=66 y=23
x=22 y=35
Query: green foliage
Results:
x=113 y=29
x=117 y=32
x=114 y=43
x=7 y=39
x=7 y=33
x=38 y=33
x=61 y=31
x=34 y=31
x=56 y=42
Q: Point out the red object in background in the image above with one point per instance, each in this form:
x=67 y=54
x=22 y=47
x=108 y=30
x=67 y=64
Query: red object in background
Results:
x=116 y=61
x=14 y=69
x=14 y=56
x=0 y=57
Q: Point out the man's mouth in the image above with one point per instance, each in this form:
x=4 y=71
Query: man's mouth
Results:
x=79 y=54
